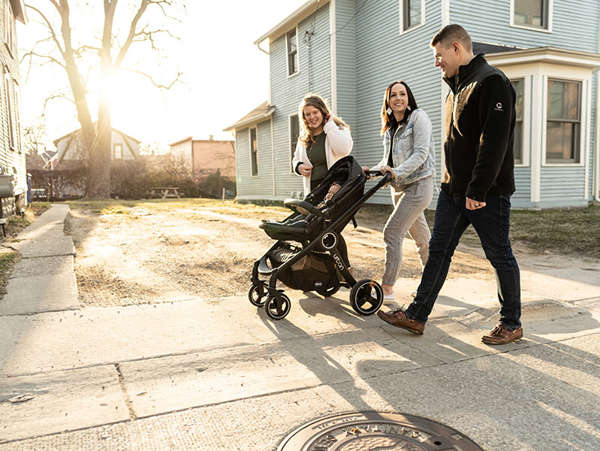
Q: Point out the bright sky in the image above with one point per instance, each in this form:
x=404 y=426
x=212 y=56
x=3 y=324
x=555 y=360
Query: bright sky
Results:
x=224 y=75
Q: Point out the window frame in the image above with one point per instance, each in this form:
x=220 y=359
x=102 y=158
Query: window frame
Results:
x=6 y=80
x=525 y=121
x=9 y=29
x=401 y=4
x=549 y=17
x=582 y=123
x=287 y=53
x=253 y=152
x=114 y=155
x=292 y=143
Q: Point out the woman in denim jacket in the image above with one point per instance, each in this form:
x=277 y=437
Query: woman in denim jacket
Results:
x=408 y=155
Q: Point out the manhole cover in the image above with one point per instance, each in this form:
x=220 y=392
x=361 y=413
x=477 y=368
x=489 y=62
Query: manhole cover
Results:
x=375 y=431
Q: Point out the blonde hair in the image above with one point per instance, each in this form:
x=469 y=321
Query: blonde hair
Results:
x=319 y=103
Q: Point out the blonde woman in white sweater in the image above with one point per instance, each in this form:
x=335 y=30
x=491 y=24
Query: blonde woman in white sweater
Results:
x=324 y=140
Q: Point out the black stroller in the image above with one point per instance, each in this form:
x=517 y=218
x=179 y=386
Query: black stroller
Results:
x=310 y=252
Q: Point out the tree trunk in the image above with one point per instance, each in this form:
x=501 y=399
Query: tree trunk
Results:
x=100 y=153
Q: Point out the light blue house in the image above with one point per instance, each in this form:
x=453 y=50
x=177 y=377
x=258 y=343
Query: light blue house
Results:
x=349 y=50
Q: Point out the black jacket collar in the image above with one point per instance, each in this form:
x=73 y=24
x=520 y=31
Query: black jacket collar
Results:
x=466 y=72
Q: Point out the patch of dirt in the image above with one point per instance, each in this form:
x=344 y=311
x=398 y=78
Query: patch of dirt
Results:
x=150 y=255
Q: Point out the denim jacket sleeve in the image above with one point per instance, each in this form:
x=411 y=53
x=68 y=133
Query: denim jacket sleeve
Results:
x=420 y=148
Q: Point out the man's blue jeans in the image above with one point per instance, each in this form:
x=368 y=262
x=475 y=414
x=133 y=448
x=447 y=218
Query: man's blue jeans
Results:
x=492 y=224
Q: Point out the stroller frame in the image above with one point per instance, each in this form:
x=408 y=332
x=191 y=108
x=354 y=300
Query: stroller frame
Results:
x=366 y=295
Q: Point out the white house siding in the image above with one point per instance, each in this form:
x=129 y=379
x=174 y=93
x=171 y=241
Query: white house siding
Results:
x=384 y=55
x=314 y=76
x=117 y=138
x=12 y=161
x=575 y=26
x=74 y=149
x=261 y=185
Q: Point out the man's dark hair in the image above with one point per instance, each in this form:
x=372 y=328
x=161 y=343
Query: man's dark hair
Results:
x=450 y=33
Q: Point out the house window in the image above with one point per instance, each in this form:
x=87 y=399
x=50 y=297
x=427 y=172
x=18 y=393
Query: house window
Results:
x=9 y=27
x=254 y=151
x=518 y=85
x=563 y=126
x=292 y=52
x=411 y=14
x=531 y=13
x=117 y=151
x=294 y=133
x=10 y=108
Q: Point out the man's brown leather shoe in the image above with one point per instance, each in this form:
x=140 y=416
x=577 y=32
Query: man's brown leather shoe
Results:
x=502 y=335
x=399 y=319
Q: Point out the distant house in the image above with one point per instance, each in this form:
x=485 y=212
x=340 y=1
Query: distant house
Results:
x=349 y=53
x=13 y=174
x=206 y=156
x=71 y=152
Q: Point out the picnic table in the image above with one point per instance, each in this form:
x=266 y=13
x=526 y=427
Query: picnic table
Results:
x=165 y=191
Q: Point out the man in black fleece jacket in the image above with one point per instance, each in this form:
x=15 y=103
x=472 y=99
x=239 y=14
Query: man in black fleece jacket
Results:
x=477 y=184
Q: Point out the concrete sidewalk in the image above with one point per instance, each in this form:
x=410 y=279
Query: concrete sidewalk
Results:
x=217 y=374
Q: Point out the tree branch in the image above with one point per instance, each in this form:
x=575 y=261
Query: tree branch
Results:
x=131 y=35
x=148 y=35
x=52 y=33
x=85 y=48
x=39 y=55
x=155 y=83
x=62 y=96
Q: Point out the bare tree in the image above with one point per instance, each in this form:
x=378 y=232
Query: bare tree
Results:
x=96 y=138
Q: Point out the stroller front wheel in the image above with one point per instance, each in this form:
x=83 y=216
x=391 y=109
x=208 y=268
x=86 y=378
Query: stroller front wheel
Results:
x=257 y=294
x=278 y=306
x=366 y=297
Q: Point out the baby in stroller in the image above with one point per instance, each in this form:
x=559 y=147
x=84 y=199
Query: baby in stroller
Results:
x=310 y=252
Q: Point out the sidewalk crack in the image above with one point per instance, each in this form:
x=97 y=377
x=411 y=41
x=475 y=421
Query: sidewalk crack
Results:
x=132 y=415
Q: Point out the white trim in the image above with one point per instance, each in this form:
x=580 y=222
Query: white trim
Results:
x=289 y=140
x=287 y=56
x=304 y=11
x=541 y=58
x=401 y=11
x=587 y=94
x=583 y=125
x=550 y=4
x=597 y=190
x=445 y=12
x=538 y=141
x=333 y=55
x=273 y=157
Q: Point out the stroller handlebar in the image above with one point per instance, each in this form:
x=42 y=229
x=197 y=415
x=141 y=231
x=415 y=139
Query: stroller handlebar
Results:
x=387 y=176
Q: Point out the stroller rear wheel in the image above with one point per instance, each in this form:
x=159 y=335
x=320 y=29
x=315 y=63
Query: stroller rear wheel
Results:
x=257 y=294
x=278 y=306
x=366 y=297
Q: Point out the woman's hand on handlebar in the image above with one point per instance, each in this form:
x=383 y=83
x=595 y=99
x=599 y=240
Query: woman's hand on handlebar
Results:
x=386 y=169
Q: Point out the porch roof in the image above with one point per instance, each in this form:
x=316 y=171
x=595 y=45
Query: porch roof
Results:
x=261 y=112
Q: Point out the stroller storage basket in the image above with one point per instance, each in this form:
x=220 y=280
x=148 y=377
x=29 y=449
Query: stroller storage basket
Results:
x=318 y=259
